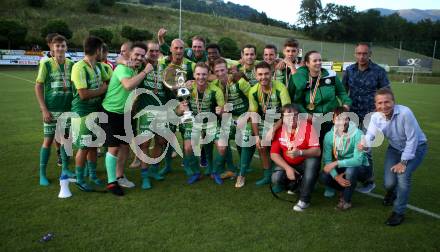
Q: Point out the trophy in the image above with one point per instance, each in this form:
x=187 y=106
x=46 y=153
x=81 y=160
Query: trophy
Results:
x=174 y=78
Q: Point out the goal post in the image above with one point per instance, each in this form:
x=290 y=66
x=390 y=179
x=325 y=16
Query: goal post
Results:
x=402 y=74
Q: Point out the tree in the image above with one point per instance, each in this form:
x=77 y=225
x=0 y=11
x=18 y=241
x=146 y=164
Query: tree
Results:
x=332 y=12
x=93 y=6
x=105 y=34
x=12 y=33
x=36 y=3
x=108 y=2
x=229 y=48
x=134 y=34
x=57 y=26
x=309 y=13
x=146 y=2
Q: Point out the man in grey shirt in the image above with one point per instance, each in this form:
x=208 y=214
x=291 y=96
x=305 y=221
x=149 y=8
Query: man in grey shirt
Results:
x=406 y=150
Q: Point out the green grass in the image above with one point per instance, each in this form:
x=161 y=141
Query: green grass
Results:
x=204 y=217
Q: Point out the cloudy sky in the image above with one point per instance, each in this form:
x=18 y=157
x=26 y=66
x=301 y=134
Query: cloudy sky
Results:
x=286 y=10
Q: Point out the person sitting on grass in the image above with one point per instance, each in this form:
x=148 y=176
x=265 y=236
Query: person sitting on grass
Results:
x=295 y=151
x=344 y=163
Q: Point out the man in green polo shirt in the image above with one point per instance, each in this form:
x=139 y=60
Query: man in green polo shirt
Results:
x=54 y=94
x=89 y=79
x=124 y=80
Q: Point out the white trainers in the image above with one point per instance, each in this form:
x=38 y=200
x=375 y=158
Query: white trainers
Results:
x=241 y=180
x=300 y=206
x=124 y=182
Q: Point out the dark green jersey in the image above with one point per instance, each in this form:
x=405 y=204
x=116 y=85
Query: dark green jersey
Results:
x=154 y=83
x=57 y=88
x=249 y=72
x=186 y=65
x=236 y=94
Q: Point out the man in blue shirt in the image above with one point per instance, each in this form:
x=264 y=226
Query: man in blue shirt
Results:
x=406 y=150
x=362 y=80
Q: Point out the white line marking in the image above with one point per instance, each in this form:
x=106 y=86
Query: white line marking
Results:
x=414 y=208
x=18 y=78
x=374 y=195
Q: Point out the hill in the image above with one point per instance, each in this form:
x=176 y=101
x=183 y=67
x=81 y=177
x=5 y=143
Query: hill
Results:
x=412 y=15
x=153 y=17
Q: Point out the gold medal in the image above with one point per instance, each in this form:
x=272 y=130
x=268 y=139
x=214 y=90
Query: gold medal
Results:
x=311 y=106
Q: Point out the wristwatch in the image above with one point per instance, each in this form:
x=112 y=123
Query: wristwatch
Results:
x=404 y=162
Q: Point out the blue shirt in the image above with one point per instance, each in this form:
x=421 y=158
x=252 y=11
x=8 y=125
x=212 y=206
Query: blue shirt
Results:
x=362 y=86
x=402 y=131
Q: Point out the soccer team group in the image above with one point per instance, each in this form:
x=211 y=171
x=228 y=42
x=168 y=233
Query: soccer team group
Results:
x=252 y=93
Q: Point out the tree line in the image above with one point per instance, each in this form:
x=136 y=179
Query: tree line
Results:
x=338 y=23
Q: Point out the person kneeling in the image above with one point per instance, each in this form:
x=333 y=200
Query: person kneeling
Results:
x=344 y=164
x=295 y=152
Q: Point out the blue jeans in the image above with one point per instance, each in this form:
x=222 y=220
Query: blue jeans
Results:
x=309 y=169
x=400 y=184
x=353 y=174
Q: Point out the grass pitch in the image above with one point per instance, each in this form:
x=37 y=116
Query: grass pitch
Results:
x=174 y=216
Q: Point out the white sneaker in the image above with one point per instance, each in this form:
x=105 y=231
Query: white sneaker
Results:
x=124 y=182
x=241 y=180
x=290 y=192
x=300 y=206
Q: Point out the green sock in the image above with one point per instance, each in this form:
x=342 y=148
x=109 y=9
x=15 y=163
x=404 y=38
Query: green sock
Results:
x=65 y=162
x=219 y=162
x=229 y=160
x=208 y=152
x=191 y=164
x=168 y=157
x=245 y=159
x=92 y=169
x=44 y=159
x=79 y=174
x=110 y=165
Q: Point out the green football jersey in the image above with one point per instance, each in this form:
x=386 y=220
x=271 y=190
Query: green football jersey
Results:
x=278 y=98
x=187 y=65
x=249 y=72
x=154 y=83
x=236 y=94
x=83 y=76
x=57 y=88
x=206 y=101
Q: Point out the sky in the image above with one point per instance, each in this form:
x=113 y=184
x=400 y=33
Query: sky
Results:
x=286 y=10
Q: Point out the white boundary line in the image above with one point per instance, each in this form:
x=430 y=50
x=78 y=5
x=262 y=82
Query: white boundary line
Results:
x=374 y=195
x=16 y=77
